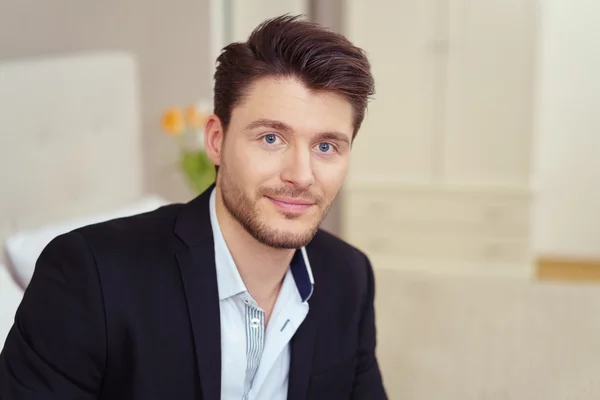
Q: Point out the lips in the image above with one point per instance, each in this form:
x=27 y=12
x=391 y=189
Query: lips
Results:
x=291 y=205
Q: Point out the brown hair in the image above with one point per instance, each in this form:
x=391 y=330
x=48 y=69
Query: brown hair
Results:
x=288 y=46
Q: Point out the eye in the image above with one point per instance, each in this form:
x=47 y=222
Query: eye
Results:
x=325 y=147
x=270 y=138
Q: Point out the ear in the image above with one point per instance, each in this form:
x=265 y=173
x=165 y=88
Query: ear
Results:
x=213 y=139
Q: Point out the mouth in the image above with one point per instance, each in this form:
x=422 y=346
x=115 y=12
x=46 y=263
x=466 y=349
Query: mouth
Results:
x=291 y=205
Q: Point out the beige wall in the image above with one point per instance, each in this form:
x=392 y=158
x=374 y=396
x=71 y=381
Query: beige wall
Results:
x=567 y=213
x=330 y=14
x=169 y=38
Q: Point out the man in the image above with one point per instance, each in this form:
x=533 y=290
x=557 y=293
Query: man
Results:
x=237 y=294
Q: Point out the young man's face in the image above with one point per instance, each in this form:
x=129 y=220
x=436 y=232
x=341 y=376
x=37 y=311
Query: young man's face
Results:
x=283 y=159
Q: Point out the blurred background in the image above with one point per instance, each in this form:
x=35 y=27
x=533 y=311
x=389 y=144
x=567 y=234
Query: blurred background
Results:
x=474 y=185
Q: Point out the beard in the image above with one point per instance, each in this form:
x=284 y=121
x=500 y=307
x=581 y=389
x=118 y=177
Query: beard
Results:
x=244 y=209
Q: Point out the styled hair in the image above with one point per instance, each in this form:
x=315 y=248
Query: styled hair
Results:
x=287 y=46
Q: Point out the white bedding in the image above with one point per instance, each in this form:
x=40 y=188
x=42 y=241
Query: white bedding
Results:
x=71 y=139
x=24 y=248
x=10 y=297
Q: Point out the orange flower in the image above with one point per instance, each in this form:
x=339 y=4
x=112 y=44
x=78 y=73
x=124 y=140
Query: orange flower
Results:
x=173 y=122
x=193 y=118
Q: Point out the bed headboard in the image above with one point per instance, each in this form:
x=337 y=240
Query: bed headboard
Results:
x=70 y=141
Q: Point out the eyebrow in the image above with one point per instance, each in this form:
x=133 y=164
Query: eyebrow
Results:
x=335 y=136
x=283 y=127
x=269 y=123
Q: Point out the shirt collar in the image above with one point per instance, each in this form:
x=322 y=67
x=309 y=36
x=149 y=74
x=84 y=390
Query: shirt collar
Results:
x=230 y=282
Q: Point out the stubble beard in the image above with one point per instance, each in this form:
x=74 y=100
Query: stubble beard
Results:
x=243 y=208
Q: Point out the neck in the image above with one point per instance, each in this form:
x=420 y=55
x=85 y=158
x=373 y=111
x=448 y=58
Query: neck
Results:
x=261 y=267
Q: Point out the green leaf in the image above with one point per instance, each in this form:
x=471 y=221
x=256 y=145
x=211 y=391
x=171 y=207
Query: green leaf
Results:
x=198 y=169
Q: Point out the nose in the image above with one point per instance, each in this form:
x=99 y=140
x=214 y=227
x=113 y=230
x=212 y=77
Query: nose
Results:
x=298 y=168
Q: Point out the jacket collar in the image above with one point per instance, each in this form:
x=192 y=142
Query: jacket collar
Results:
x=192 y=225
x=197 y=267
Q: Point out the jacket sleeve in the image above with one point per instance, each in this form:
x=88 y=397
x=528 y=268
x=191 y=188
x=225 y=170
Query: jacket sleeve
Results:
x=56 y=347
x=368 y=384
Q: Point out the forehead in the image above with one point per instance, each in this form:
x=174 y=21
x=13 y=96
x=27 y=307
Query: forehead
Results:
x=290 y=101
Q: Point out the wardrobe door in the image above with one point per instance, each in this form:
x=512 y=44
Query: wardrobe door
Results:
x=488 y=108
x=396 y=140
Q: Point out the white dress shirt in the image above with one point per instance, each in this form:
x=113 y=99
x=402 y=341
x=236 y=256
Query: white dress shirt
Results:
x=255 y=361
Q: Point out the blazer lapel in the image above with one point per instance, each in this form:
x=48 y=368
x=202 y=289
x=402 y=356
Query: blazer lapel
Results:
x=303 y=342
x=198 y=272
x=200 y=284
x=302 y=350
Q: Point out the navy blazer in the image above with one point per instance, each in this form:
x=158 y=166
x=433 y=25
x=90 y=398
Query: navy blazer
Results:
x=129 y=309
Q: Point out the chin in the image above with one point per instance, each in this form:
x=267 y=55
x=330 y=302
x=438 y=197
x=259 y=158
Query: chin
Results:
x=297 y=222
x=286 y=233
x=290 y=238
x=294 y=226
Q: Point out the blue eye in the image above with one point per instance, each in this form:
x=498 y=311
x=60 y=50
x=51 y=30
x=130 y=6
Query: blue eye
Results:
x=270 y=139
x=324 y=147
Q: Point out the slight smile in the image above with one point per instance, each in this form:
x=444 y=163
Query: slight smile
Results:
x=290 y=205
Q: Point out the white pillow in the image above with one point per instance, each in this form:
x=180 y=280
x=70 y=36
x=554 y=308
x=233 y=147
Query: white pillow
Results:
x=23 y=249
x=10 y=297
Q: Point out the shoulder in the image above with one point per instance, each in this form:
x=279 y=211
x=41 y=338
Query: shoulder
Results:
x=134 y=228
x=331 y=246
x=136 y=237
x=339 y=261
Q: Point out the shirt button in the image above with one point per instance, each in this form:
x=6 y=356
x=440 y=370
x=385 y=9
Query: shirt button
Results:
x=255 y=322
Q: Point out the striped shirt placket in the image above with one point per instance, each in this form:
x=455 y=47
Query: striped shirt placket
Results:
x=255 y=336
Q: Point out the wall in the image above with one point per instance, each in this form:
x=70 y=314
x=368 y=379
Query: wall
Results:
x=246 y=15
x=567 y=220
x=330 y=14
x=169 y=38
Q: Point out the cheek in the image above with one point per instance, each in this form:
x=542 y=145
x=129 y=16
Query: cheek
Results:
x=331 y=177
x=252 y=165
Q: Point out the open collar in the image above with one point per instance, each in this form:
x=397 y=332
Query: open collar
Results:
x=230 y=282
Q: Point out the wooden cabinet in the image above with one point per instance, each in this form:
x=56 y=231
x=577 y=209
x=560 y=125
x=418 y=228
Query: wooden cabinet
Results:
x=398 y=134
x=488 y=92
x=440 y=172
x=434 y=226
